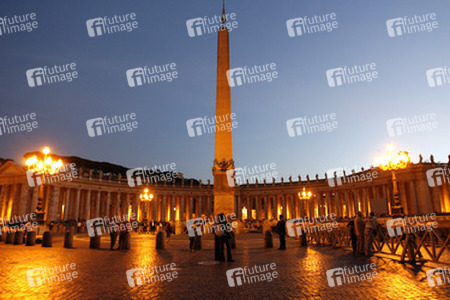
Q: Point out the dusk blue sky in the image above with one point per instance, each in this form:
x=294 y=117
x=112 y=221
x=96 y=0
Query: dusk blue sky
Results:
x=262 y=109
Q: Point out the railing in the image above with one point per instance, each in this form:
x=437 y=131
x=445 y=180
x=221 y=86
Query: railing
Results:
x=432 y=244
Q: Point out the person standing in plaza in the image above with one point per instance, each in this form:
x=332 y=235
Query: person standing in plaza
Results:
x=351 y=228
x=223 y=231
x=168 y=232
x=359 y=230
x=113 y=228
x=281 y=229
x=369 y=232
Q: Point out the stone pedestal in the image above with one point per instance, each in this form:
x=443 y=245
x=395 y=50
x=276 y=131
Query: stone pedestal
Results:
x=160 y=240
x=18 y=238
x=9 y=237
x=31 y=238
x=95 y=241
x=68 y=240
x=47 y=239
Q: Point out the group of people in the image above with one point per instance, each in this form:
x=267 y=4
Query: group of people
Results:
x=223 y=237
x=362 y=233
x=122 y=230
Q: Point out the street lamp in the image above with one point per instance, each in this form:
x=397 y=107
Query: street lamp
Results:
x=46 y=165
x=146 y=196
x=305 y=196
x=392 y=161
x=43 y=164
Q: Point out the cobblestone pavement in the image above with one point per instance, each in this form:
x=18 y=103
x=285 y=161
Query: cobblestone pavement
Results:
x=301 y=272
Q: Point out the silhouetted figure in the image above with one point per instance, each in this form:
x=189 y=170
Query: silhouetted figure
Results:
x=222 y=230
x=351 y=228
x=113 y=232
x=281 y=229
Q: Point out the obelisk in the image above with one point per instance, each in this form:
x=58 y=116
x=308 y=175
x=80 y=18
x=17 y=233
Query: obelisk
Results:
x=223 y=158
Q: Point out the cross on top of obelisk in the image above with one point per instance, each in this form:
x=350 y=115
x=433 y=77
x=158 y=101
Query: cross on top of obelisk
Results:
x=224 y=19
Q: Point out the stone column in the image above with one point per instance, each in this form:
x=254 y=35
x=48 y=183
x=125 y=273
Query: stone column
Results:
x=3 y=200
x=87 y=207
x=34 y=199
x=257 y=207
x=53 y=207
x=266 y=208
x=191 y=205
x=108 y=204
x=209 y=207
x=200 y=206
x=97 y=204
x=183 y=208
x=164 y=208
x=77 y=205
x=67 y=205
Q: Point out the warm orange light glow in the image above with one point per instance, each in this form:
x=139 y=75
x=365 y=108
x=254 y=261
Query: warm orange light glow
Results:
x=244 y=213
x=146 y=196
x=47 y=165
x=304 y=195
x=392 y=160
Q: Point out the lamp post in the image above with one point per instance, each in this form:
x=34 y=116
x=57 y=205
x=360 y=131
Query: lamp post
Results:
x=146 y=197
x=392 y=161
x=305 y=196
x=45 y=165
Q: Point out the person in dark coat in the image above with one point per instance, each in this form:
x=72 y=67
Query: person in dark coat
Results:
x=223 y=232
x=351 y=228
x=113 y=232
x=281 y=229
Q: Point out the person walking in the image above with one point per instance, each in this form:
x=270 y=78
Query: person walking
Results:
x=168 y=231
x=369 y=233
x=281 y=229
x=351 y=229
x=192 y=238
x=113 y=232
x=359 y=230
x=223 y=232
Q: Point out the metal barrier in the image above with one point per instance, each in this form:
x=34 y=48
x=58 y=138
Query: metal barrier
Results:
x=432 y=244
